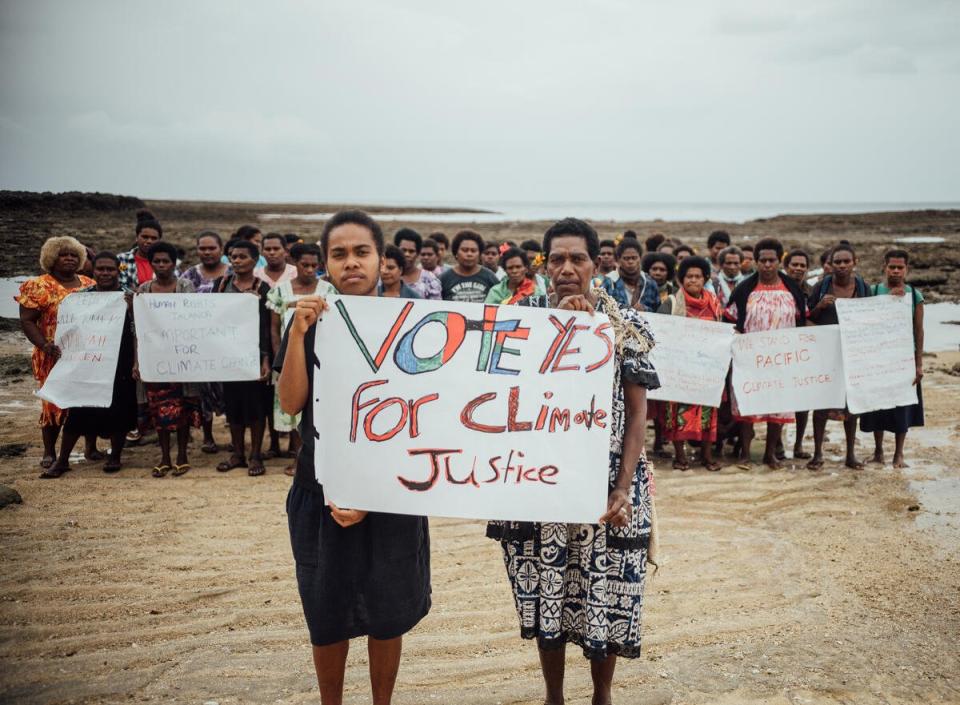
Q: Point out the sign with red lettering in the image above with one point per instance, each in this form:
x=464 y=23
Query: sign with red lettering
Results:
x=89 y=327
x=791 y=369
x=691 y=358
x=463 y=410
x=878 y=354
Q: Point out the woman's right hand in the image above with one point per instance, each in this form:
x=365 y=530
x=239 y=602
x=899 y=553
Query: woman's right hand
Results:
x=51 y=350
x=307 y=312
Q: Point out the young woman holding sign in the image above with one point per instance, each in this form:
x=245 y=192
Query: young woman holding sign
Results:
x=171 y=406
x=583 y=583
x=359 y=573
x=120 y=417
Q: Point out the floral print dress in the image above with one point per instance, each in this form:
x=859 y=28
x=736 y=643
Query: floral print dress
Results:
x=583 y=583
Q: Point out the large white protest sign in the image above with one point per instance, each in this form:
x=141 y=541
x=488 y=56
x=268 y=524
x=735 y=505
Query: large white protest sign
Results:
x=465 y=410
x=791 y=369
x=197 y=337
x=89 y=327
x=878 y=357
x=691 y=358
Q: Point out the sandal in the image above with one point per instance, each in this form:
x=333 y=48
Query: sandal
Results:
x=210 y=447
x=161 y=470
x=52 y=473
x=47 y=461
x=179 y=470
x=815 y=464
x=235 y=461
x=712 y=466
x=256 y=469
x=681 y=465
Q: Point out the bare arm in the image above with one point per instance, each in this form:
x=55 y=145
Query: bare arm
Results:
x=634 y=437
x=275 y=332
x=918 y=340
x=29 y=318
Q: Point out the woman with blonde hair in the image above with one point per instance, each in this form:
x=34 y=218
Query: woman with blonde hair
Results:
x=61 y=259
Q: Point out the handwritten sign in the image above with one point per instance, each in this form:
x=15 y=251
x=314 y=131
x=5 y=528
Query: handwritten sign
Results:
x=464 y=410
x=878 y=356
x=691 y=358
x=197 y=337
x=792 y=369
x=89 y=327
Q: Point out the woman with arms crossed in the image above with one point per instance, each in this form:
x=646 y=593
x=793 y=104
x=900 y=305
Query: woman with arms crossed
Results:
x=583 y=583
x=358 y=573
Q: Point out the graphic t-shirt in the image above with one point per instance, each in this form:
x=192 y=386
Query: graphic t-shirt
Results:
x=471 y=289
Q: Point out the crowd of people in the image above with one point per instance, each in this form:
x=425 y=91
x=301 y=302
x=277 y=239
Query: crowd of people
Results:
x=757 y=286
x=369 y=574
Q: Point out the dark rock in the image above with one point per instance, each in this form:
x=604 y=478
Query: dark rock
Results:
x=15 y=366
x=8 y=495
x=913 y=508
x=12 y=450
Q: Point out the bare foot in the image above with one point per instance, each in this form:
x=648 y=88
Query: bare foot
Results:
x=800 y=454
x=899 y=463
x=772 y=462
x=877 y=458
x=816 y=462
x=853 y=463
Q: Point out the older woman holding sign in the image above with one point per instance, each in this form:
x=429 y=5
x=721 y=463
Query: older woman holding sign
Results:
x=692 y=422
x=121 y=416
x=39 y=299
x=583 y=583
x=359 y=573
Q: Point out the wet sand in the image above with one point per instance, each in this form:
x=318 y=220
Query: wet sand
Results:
x=775 y=587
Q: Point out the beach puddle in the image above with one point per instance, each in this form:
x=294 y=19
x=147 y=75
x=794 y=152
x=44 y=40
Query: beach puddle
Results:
x=941 y=327
x=920 y=240
x=10 y=287
x=939 y=499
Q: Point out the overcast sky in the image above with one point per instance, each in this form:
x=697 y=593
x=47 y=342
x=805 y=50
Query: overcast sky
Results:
x=433 y=100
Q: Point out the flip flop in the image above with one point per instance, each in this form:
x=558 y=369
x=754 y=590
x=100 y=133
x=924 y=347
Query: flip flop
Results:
x=210 y=448
x=256 y=469
x=161 y=470
x=179 y=470
x=233 y=462
x=815 y=465
x=47 y=461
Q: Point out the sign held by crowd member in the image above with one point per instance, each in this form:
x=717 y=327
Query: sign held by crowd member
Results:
x=465 y=410
x=878 y=354
x=89 y=328
x=788 y=369
x=691 y=358
x=197 y=337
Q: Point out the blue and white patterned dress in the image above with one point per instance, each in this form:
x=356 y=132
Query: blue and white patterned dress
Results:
x=583 y=583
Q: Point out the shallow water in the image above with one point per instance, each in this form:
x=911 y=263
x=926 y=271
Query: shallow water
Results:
x=920 y=239
x=938 y=334
x=10 y=287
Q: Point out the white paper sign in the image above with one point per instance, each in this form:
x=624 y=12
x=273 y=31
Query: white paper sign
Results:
x=691 y=358
x=791 y=369
x=197 y=337
x=89 y=327
x=464 y=410
x=878 y=352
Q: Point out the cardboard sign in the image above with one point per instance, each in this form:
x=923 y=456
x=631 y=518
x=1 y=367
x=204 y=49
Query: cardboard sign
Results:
x=691 y=358
x=463 y=410
x=878 y=354
x=89 y=327
x=791 y=369
x=197 y=337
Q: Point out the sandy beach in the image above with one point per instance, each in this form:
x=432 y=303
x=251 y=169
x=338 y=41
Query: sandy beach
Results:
x=785 y=586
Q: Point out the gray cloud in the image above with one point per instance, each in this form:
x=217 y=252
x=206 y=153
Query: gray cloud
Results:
x=427 y=100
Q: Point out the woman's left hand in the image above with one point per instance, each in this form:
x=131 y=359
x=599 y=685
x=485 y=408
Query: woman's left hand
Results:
x=619 y=509
x=264 y=370
x=346 y=517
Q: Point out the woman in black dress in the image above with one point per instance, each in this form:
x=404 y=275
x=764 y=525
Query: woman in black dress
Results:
x=359 y=573
x=247 y=404
x=120 y=417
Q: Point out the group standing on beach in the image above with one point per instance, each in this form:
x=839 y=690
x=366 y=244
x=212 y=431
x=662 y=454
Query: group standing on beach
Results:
x=368 y=574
